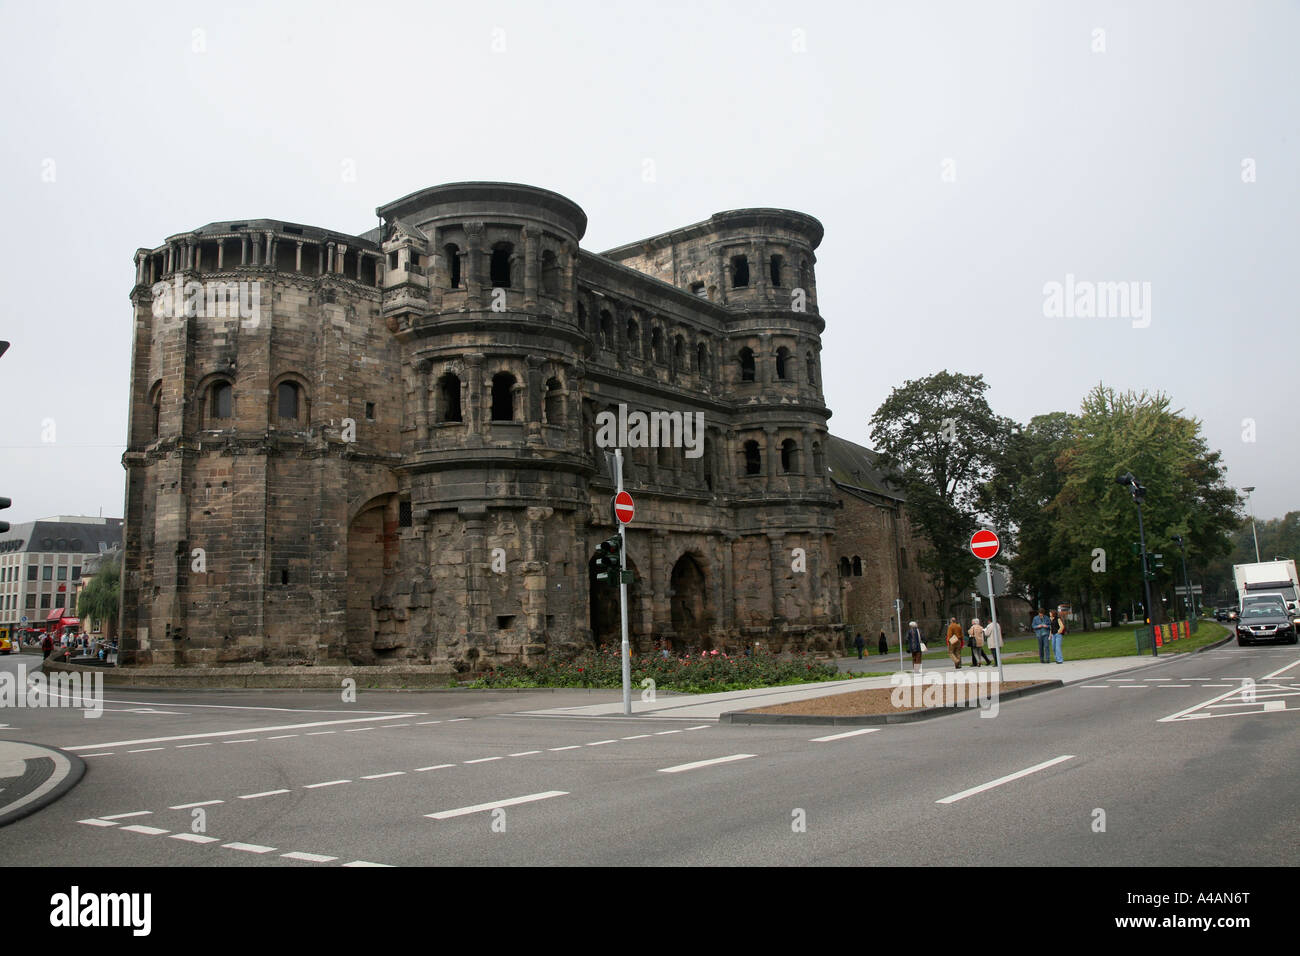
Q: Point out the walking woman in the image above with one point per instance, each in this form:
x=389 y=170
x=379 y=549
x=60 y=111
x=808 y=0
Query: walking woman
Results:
x=914 y=644
x=976 y=639
x=1058 y=632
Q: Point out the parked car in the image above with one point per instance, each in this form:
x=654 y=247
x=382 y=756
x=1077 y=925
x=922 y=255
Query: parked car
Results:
x=1265 y=618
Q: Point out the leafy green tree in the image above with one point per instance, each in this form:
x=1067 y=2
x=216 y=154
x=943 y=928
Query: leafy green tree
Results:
x=101 y=597
x=940 y=438
x=1186 y=494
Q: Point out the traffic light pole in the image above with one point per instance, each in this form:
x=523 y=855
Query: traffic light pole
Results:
x=1146 y=582
x=622 y=589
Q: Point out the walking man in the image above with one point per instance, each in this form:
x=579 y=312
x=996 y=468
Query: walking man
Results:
x=1042 y=630
x=859 y=643
x=1058 y=632
x=953 y=641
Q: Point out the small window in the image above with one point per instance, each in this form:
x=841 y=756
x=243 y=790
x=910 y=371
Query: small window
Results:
x=554 y=402
x=739 y=272
x=31 y=572
x=404 y=514
x=45 y=601
x=633 y=337
x=76 y=571
x=503 y=397
x=452 y=253
x=702 y=359
x=747 y=370
x=286 y=397
x=504 y=621
x=501 y=265
x=812 y=369
x=47 y=573
x=776 y=263
x=657 y=345
x=31 y=601
x=222 y=400
x=550 y=273
x=284 y=575
x=697 y=289
x=370 y=411
x=857 y=566
x=789 y=452
x=449 y=396
x=61 y=574
x=782 y=363
x=845 y=568
x=606 y=329
x=753 y=459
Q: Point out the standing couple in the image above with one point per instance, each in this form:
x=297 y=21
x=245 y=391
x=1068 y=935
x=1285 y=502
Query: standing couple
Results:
x=1049 y=631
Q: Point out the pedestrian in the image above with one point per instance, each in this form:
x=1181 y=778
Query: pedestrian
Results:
x=883 y=644
x=993 y=639
x=915 y=645
x=954 y=642
x=1058 y=632
x=859 y=643
x=1042 y=626
x=47 y=645
x=975 y=638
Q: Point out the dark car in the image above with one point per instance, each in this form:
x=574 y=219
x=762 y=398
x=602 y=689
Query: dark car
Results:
x=1265 y=621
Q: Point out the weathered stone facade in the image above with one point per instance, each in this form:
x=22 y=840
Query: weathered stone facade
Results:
x=390 y=453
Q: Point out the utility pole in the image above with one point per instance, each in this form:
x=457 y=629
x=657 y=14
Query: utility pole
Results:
x=1140 y=492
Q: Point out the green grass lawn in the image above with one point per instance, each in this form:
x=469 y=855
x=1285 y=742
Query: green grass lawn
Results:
x=1084 y=645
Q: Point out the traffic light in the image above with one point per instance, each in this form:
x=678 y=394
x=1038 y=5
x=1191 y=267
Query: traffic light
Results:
x=608 y=563
x=4 y=503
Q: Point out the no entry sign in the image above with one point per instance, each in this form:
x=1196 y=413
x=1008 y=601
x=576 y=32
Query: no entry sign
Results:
x=623 y=507
x=984 y=544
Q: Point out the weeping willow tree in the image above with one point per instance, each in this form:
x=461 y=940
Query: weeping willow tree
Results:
x=100 y=598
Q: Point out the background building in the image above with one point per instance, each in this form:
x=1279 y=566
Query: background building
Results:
x=41 y=562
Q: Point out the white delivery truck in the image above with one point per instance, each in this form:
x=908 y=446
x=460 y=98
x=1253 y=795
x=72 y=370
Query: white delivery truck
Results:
x=1268 y=577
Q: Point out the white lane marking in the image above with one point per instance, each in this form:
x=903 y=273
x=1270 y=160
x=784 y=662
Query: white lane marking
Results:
x=1096 y=686
x=704 y=763
x=320 y=733
x=558 y=749
x=282 y=737
x=193 y=838
x=1007 y=779
x=1157 y=678
x=309 y=857
x=1164 y=686
x=525 y=753
x=380 y=776
x=327 y=783
x=660 y=733
x=1201 y=706
x=1113 y=679
x=183 y=746
x=249 y=847
x=484 y=759
x=245 y=740
x=264 y=793
x=364 y=863
x=597 y=743
x=455 y=719
x=1280 y=670
x=227 y=733
x=147 y=831
x=107 y=753
x=98 y=823
x=390 y=726
x=495 y=804
x=201 y=803
x=437 y=766
x=700 y=727
x=357 y=730
x=418 y=723
x=1216 y=685
x=144 y=750
x=1134 y=687
x=847 y=733
x=636 y=736
x=1193 y=678
x=133 y=813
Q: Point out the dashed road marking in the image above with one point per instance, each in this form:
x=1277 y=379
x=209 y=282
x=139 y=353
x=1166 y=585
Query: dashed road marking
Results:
x=704 y=763
x=484 y=760
x=133 y=813
x=145 y=750
x=140 y=828
x=227 y=733
x=249 y=847
x=525 y=753
x=309 y=857
x=598 y=743
x=327 y=783
x=264 y=793
x=636 y=736
x=193 y=838
x=962 y=795
x=439 y=766
x=380 y=776
x=558 y=749
x=496 y=804
x=847 y=733
x=201 y=803
x=282 y=737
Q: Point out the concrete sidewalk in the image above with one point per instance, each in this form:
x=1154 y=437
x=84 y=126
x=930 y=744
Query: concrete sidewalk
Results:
x=709 y=706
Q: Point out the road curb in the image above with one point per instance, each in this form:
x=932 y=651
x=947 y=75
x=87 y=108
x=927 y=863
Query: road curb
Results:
x=907 y=717
x=76 y=769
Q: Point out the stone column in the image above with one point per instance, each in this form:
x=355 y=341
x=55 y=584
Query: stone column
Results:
x=297 y=262
x=531 y=265
x=722 y=593
x=477 y=596
x=766 y=359
x=777 y=556
x=422 y=392
x=221 y=254
x=771 y=439
x=733 y=583
x=320 y=259
x=270 y=262
x=535 y=570
x=473 y=411
x=329 y=257
x=473 y=265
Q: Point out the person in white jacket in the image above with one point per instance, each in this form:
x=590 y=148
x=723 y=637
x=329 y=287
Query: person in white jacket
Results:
x=993 y=640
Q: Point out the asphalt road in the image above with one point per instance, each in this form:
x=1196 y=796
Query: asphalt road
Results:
x=1181 y=762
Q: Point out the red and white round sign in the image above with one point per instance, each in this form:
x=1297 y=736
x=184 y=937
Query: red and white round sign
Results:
x=623 y=507
x=984 y=544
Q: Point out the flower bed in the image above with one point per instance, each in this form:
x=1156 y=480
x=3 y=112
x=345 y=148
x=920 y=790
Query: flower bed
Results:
x=708 y=672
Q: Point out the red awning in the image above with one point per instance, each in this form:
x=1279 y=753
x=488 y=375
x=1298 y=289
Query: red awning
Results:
x=55 y=614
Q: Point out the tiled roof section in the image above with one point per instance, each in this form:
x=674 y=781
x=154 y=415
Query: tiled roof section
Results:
x=855 y=469
x=65 y=536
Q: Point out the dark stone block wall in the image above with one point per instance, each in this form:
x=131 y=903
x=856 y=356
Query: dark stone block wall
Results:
x=395 y=458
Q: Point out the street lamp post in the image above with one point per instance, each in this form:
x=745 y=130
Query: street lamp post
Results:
x=1188 y=599
x=1253 y=533
x=1140 y=492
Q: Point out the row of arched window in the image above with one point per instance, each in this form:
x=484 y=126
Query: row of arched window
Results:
x=504 y=402
x=789 y=452
x=217 y=404
x=785 y=368
x=504 y=267
x=851 y=568
x=674 y=353
x=776 y=271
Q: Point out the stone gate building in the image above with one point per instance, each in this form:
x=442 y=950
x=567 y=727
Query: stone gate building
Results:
x=383 y=448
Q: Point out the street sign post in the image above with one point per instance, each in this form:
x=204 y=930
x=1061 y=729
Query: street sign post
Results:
x=984 y=544
x=898 y=613
x=623 y=511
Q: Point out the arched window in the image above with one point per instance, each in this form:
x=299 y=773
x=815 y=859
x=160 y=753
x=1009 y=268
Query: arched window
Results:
x=633 y=337
x=449 y=398
x=452 y=253
x=783 y=363
x=753 y=459
x=503 y=397
x=702 y=359
x=582 y=317
x=789 y=455
x=812 y=369
x=845 y=568
x=501 y=254
x=747 y=372
x=776 y=263
x=220 y=400
x=857 y=566
x=739 y=272
x=606 y=329
x=550 y=273
x=804 y=275
x=155 y=408
x=554 y=402
x=819 y=463
x=657 y=345
x=287 y=401
x=679 y=352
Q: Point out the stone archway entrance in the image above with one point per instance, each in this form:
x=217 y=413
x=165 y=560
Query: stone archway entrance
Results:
x=688 y=597
x=372 y=546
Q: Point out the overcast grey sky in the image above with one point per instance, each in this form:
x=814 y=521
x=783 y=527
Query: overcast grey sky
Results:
x=961 y=155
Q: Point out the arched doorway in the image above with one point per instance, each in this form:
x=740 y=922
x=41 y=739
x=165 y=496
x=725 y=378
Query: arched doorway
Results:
x=606 y=620
x=688 y=597
x=372 y=547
